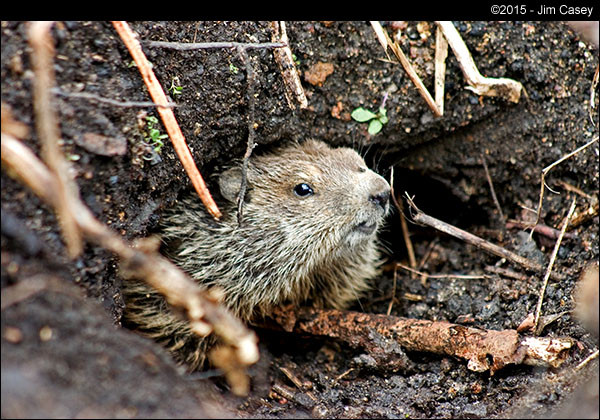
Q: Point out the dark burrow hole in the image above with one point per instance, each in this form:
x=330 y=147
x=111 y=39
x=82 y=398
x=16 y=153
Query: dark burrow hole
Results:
x=435 y=198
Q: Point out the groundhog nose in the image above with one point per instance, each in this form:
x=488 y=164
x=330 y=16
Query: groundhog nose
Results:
x=381 y=199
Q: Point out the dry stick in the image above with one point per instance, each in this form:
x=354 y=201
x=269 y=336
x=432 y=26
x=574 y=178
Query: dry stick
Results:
x=492 y=190
x=441 y=53
x=443 y=276
x=593 y=95
x=111 y=102
x=167 y=115
x=538 y=309
x=420 y=217
x=293 y=88
x=505 y=88
x=591 y=357
x=376 y=333
x=179 y=290
x=190 y=46
x=386 y=42
x=547 y=231
x=405 y=234
x=545 y=172
x=48 y=131
x=251 y=131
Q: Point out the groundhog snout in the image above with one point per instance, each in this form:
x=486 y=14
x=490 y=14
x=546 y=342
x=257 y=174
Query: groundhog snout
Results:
x=381 y=199
x=379 y=193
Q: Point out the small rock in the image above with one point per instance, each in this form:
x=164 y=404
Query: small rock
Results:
x=102 y=145
x=317 y=73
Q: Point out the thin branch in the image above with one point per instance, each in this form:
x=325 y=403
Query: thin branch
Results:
x=443 y=276
x=189 y=46
x=48 y=131
x=294 y=93
x=113 y=102
x=508 y=89
x=547 y=169
x=143 y=261
x=167 y=115
x=592 y=356
x=420 y=217
x=405 y=233
x=441 y=53
x=538 y=309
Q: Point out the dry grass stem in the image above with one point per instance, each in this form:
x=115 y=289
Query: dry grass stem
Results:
x=545 y=172
x=508 y=89
x=405 y=233
x=443 y=276
x=538 y=309
x=168 y=117
x=492 y=190
x=42 y=57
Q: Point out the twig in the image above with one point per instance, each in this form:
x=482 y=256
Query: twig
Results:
x=391 y=304
x=508 y=89
x=385 y=41
x=443 y=276
x=48 y=131
x=188 y=46
x=585 y=361
x=405 y=233
x=492 y=190
x=167 y=115
x=545 y=172
x=550 y=265
x=294 y=93
x=251 y=132
x=420 y=217
x=441 y=53
x=593 y=95
x=113 y=102
x=203 y=312
x=545 y=230
x=506 y=273
x=376 y=333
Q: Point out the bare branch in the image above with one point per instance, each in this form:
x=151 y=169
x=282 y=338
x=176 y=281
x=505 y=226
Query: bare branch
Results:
x=167 y=116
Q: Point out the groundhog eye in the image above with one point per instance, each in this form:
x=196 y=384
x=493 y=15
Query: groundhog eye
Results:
x=303 y=190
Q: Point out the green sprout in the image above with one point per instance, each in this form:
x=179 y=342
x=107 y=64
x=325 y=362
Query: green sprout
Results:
x=153 y=137
x=233 y=68
x=376 y=120
x=175 y=89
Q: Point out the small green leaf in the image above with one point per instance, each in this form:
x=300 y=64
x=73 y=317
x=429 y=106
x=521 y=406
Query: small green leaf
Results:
x=375 y=127
x=362 y=115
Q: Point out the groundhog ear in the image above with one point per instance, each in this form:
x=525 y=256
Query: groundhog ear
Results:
x=230 y=182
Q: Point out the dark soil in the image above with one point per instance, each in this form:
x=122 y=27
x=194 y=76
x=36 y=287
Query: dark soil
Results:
x=64 y=353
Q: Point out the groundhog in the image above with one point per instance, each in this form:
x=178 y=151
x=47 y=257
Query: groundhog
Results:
x=308 y=236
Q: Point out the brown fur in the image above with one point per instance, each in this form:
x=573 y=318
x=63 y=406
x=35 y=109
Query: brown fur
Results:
x=320 y=249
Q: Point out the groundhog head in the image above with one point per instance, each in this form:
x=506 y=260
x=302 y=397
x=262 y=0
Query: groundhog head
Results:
x=313 y=193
